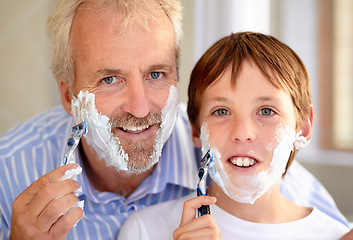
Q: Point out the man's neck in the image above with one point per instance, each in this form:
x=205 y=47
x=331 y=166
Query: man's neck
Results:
x=109 y=179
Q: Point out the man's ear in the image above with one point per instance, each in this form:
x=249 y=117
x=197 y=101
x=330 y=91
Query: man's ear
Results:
x=307 y=125
x=196 y=137
x=66 y=95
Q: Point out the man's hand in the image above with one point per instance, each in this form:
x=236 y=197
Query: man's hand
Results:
x=203 y=227
x=46 y=209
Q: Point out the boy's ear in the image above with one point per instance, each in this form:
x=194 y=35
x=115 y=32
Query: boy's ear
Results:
x=196 y=137
x=66 y=96
x=307 y=126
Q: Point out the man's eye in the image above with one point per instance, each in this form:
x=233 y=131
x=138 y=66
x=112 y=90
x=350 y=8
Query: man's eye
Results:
x=156 y=75
x=221 y=112
x=109 y=80
x=266 y=112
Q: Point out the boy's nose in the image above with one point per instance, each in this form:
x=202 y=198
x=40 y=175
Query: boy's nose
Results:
x=243 y=130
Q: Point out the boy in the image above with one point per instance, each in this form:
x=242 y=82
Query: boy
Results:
x=250 y=105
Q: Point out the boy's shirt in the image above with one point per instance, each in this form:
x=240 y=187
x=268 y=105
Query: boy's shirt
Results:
x=166 y=218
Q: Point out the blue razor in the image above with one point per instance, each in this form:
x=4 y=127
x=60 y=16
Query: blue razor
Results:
x=76 y=133
x=201 y=186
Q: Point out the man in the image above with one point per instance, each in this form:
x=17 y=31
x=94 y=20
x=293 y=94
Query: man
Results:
x=124 y=54
x=116 y=65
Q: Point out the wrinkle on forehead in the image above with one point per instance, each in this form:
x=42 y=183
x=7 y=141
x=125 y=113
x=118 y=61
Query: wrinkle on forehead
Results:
x=123 y=13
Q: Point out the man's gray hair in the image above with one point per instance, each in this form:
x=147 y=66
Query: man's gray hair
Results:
x=61 y=18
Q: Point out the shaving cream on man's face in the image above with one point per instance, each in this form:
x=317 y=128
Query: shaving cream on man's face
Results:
x=109 y=148
x=248 y=188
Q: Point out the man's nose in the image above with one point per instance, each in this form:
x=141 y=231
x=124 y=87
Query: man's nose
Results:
x=137 y=99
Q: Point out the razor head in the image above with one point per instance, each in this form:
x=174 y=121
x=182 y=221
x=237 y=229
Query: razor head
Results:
x=72 y=142
x=80 y=129
x=207 y=159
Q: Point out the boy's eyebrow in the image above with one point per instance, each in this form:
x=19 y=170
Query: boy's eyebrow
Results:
x=265 y=98
x=227 y=100
x=219 y=99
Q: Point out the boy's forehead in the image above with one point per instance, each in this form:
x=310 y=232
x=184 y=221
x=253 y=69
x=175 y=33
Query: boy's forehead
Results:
x=231 y=75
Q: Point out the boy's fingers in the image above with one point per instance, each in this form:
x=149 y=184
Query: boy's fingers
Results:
x=190 y=207
x=199 y=228
x=202 y=234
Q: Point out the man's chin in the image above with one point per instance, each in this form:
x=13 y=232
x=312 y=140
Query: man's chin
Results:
x=141 y=164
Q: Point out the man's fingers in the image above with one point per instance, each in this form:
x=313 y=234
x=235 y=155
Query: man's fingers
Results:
x=43 y=181
x=66 y=222
x=52 y=192
x=45 y=203
x=190 y=207
x=55 y=210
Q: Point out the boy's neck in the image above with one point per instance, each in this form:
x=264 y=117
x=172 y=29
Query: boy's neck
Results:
x=269 y=208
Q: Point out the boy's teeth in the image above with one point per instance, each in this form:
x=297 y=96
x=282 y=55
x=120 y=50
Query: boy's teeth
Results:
x=243 y=161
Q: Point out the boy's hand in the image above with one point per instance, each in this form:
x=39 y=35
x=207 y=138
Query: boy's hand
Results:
x=41 y=210
x=203 y=227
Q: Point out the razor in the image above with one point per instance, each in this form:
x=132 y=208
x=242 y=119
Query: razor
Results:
x=206 y=162
x=76 y=133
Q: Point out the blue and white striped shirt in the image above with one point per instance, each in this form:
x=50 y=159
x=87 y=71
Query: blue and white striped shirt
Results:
x=36 y=147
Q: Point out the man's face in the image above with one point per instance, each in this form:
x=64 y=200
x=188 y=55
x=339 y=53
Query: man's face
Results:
x=130 y=73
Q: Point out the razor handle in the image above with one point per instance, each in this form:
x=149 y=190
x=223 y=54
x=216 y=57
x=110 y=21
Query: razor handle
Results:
x=204 y=209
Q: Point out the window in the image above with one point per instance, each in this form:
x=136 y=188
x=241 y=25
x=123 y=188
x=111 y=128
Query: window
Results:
x=336 y=74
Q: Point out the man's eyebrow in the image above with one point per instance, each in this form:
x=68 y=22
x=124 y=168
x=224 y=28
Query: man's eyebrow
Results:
x=108 y=72
x=157 y=67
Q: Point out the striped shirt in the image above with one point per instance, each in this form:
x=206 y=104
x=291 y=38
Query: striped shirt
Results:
x=37 y=146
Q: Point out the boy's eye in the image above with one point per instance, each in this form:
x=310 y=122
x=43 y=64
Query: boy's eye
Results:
x=221 y=112
x=266 y=112
x=109 y=80
x=156 y=75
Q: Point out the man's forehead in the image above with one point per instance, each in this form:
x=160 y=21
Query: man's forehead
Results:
x=123 y=11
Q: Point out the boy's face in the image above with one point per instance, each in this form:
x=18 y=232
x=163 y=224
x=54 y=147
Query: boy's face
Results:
x=244 y=121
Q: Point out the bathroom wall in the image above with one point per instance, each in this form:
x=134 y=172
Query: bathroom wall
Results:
x=27 y=86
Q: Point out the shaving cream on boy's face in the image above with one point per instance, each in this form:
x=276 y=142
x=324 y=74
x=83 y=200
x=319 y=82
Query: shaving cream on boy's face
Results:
x=132 y=156
x=248 y=188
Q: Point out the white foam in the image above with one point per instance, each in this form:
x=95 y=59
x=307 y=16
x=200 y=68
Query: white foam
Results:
x=101 y=138
x=79 y=204
x=248 y=188
x=71 y=173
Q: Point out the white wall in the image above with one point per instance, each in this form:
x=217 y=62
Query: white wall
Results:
x=206 y=21
x=27 y=86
